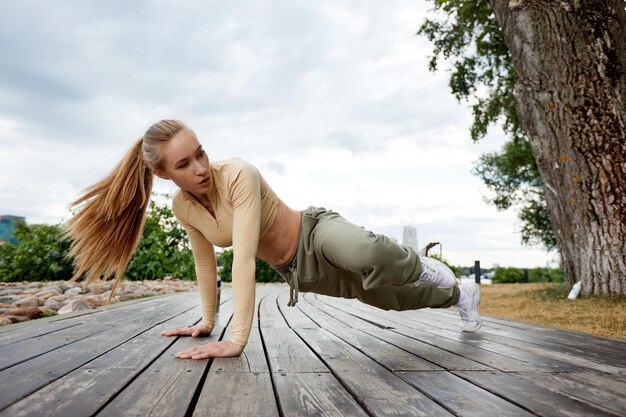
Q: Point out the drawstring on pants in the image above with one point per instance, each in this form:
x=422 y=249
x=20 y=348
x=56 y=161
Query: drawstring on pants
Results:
x=293 y=289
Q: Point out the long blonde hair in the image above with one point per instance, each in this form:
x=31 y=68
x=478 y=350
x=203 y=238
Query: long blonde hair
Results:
x=106 y=230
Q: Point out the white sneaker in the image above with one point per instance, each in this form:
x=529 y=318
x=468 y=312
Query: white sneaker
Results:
x=470 y=319
x=436 y=273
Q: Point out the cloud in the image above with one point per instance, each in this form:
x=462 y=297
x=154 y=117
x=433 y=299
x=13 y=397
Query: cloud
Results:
x=332 y=100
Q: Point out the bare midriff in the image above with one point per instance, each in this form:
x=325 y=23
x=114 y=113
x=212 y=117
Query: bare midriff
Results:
x=280 y=241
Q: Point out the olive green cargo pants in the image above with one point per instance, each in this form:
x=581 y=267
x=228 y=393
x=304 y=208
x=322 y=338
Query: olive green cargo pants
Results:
x=338 y=258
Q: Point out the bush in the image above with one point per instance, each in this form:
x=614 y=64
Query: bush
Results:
x=508 y=275
x=39 y=255
x=163 y=249
x=515 y=275
x=264 y=271
x=41 y=251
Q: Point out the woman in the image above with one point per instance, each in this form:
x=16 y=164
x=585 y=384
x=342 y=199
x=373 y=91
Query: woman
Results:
x=228 y=203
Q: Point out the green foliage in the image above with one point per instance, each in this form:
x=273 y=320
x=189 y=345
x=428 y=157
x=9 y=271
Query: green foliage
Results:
x=516 y=275
x=468 y=38
x=508 y=275
x=264 y=271
x=163 y=249
x=39 y=255
x=41 y=251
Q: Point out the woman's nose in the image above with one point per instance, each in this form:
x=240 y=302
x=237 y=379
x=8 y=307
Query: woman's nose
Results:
x=200 y=169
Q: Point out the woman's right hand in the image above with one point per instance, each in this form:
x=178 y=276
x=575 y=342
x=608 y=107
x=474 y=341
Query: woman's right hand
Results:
x=194 y=331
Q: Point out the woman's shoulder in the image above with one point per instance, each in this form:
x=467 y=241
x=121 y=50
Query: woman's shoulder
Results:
x=232 y=164
x=234 y=169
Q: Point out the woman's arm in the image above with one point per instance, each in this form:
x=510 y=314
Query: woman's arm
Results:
x=246 y=199
x=206 y=276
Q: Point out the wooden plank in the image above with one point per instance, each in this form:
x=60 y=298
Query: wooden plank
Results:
x=475 y=339
x=377 y=389
x=440 y=357
x=286 y=352
x=42 y=327
x=532 y=397
x=321 y=320
x=27 y=377
x=601 y=390
x=35 y=329
x=479 y=340
x=390 y=356
x=167 y=387
x=343 y=319
x=227 y=394
x=102 y=378
x=460 y=396
x=490 y=359
x=269 y=314
x=574 y=357
x=576 y=342
x=493 y=360
x=314 y=394
x=18 y=352
x=293 y=315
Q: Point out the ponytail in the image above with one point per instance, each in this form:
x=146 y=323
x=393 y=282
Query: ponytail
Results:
x=106 y=229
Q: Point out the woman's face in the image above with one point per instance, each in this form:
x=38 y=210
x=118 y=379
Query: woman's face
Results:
x=186 y=163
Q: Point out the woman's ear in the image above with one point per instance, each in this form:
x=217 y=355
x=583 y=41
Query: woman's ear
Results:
x=160 y=173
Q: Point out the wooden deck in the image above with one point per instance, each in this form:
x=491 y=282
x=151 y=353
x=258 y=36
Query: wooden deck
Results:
x=323 y=357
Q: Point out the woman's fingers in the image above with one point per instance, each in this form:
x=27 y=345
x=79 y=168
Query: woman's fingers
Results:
x=178 y=332
x=194 y=331
x=211 y=350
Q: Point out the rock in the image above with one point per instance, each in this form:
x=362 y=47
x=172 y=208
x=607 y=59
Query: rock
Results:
x=74 y=305
x=47 y=312
x=9 y=299
x=4 y=321
x=10 y=291
x=98 y=289
x=126 y=297
x=52 y=304
x=59 y=298
x=48 y=292
x=73 y=291
x=15 y=319
x=29 y=312
x=93 y=300
x=28 y=302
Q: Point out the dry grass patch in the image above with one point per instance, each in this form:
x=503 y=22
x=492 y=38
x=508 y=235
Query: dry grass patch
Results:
x=547 y=305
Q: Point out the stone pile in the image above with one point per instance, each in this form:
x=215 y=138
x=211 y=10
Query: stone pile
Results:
x=22 y=301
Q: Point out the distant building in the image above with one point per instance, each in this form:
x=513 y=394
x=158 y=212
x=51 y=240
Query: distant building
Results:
x=409 y=237
x=6 y=228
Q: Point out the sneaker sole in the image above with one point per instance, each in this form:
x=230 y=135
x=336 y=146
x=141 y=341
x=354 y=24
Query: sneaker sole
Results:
x=480 y=319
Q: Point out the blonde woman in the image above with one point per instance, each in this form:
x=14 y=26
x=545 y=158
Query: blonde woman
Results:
x=228 y=203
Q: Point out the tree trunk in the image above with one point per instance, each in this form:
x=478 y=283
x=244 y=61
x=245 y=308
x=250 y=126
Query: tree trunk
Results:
x=570 y=63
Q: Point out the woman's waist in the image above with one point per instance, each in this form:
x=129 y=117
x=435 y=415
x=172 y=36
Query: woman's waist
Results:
x=280 y=242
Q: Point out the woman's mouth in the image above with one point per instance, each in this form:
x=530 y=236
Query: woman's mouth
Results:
x=204 y=181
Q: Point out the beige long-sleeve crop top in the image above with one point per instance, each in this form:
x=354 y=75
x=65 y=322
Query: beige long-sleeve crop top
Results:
x=245 y=207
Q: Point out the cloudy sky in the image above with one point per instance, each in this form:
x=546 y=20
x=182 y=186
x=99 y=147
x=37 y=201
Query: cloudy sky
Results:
x=332 y=100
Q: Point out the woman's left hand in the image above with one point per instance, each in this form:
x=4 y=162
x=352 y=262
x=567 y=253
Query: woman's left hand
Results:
x=224 y=349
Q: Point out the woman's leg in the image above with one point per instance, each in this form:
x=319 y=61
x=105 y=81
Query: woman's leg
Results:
x=355 y=263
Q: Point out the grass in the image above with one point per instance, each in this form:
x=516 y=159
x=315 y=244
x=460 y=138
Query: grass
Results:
x=547 y=304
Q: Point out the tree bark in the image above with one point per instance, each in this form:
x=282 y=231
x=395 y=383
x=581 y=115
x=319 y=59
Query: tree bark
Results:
x=570 y=63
